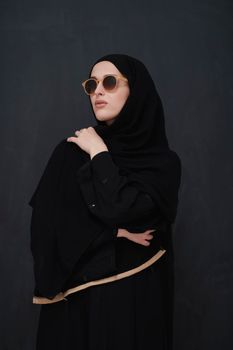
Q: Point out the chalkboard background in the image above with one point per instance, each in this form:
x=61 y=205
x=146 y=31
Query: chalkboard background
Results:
x=47 y=48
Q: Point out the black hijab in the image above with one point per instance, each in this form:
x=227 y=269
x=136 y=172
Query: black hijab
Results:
x=137 y=139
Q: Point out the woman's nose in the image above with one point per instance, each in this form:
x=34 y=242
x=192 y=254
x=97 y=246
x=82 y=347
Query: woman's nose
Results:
x=99 y=88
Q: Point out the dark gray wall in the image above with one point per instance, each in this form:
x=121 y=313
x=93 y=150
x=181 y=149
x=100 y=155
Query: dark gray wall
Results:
x=46 y=51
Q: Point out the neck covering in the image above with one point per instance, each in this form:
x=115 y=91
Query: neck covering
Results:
x=137 y=138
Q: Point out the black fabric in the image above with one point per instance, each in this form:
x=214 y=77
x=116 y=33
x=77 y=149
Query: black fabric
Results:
x=61 y=225
x=137 y=139
x=111 y=195
x=130 y=314
x=80 y=203
x=73 y=241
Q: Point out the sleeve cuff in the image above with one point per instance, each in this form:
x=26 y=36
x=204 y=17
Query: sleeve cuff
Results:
x=103 y=166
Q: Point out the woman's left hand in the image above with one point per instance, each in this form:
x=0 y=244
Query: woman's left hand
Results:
x=88 y=140
x=139 y=238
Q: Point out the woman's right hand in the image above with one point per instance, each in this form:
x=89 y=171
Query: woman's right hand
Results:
x=140 y=238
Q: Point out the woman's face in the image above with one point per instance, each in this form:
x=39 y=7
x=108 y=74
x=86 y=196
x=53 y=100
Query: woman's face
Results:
x=115 y=99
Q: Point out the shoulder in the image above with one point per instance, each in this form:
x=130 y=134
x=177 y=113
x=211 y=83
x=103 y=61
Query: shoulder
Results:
x=170 y=166
x=65 y=148
x=61 y=146
x=176 y=161
x=69 y=154
x=175 y=165
x=169 y=159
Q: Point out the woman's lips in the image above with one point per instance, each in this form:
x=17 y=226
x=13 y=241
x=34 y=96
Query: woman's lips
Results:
x=100 y=104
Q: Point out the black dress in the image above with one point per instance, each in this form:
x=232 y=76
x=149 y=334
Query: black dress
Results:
x=131 y=313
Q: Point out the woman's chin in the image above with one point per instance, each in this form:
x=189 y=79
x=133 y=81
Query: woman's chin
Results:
x=107 y=120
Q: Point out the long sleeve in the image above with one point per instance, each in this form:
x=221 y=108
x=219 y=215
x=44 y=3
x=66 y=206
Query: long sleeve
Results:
x=110 y=196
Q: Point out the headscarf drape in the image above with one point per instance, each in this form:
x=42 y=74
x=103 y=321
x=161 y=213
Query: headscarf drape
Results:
x=137 y=138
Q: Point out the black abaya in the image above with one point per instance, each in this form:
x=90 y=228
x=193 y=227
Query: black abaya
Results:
x=135 y=186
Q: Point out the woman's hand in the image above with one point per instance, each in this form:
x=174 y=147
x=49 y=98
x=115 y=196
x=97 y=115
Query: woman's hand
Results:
x=140 y=238
x=89 y=141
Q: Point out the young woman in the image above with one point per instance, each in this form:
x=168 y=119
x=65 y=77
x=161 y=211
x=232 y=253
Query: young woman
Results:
x=101 y=229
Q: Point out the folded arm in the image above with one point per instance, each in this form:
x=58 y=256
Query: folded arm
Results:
x=112 y=197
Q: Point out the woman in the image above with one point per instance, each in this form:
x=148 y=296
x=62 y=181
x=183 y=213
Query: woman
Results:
x=101 y=223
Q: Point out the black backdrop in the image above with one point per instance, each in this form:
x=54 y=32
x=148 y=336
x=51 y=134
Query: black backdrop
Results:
x=46 y=51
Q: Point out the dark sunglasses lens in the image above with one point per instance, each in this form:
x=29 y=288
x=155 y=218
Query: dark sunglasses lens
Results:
x=109 y=82
x=90 y=86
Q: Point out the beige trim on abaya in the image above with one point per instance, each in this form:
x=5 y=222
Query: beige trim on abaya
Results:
x=61 y=296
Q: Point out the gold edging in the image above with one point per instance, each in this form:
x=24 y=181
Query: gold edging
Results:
x=61 y=296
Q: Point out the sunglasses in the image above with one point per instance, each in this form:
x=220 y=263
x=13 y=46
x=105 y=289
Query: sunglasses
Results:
x=110 y=82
